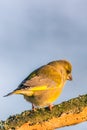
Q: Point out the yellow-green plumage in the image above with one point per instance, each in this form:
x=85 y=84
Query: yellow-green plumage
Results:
x=44 y=85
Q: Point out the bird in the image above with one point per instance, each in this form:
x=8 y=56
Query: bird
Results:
x=44 y=85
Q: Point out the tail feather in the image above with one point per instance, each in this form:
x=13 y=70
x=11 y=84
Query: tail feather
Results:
x=13 y=92
x=9 y=94
x=23 y=92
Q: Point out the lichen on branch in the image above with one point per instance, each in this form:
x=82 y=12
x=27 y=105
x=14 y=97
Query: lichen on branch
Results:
x=67 y=113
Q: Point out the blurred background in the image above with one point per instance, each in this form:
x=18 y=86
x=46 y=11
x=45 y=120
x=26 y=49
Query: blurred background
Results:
x=33 y=33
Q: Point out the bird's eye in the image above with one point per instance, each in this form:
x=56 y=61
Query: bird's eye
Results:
x=68 y=71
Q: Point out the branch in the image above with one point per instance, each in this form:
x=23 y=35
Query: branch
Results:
x=67 y=113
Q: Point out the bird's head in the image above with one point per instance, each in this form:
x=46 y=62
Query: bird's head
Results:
x=68 y=68
x=64 y=66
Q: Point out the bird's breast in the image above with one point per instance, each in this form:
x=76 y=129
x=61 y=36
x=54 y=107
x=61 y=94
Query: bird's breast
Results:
x=44 y=98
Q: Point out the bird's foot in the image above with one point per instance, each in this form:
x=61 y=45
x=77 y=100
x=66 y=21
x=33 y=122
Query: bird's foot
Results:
x=51 y=106
x=33 y=107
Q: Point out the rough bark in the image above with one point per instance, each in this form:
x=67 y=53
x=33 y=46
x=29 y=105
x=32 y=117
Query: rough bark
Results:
x=67 y=113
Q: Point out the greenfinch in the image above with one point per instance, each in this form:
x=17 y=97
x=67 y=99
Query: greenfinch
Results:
x=44 y=85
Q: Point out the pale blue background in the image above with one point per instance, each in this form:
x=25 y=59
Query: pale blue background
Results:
x=32 y=33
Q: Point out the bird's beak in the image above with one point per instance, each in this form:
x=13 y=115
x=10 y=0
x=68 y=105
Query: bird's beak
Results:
x=69 y=77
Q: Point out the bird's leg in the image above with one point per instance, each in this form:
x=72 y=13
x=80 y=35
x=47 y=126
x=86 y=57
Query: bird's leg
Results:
x=33 y=107
x=51 y=106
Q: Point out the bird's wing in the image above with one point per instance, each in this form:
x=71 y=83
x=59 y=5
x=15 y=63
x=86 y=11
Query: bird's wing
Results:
x=37 y=83
x=28 y=78
x=42 y=78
